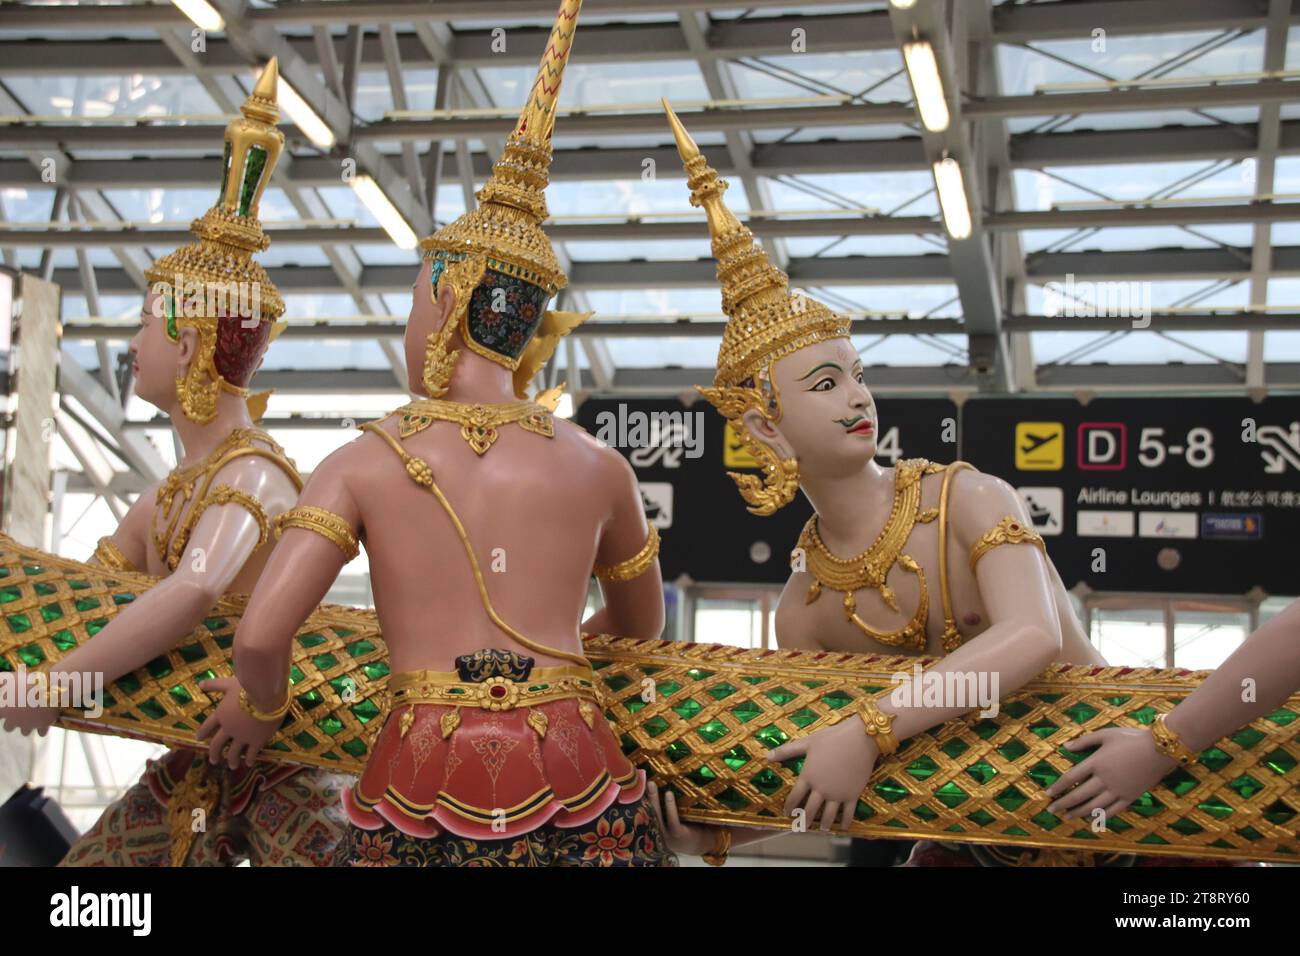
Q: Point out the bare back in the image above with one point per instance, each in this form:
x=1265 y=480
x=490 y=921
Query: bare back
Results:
x=535 y=510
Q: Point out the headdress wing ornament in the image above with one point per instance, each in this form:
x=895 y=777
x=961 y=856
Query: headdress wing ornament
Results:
x=217 y=274
x=505 y=227
x=764 y=323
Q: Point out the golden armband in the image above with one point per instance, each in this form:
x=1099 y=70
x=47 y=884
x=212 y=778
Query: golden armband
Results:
x=1009 y=530
x=325 y=523
x=226 y=495
x=634 y=566
x=1167 y=742
x=878 y=724
x=248 y=707
x=108 y=555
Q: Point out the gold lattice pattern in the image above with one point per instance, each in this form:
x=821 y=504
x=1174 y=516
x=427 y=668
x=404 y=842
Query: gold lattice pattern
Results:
x=700 y=718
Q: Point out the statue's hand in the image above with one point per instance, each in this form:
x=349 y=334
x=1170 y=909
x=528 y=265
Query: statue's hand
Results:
x=229 y=725
x=838 y=762
x=692 y=839
x=1125 y=766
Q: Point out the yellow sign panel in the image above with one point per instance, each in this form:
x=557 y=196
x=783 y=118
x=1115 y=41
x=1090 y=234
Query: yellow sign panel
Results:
x=1040 y=446
x=734 y=453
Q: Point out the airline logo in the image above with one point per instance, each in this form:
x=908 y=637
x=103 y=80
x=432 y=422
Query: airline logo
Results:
x=1040 y=446
x=1104 y=524
x=1166 y=524
x=1239 y=526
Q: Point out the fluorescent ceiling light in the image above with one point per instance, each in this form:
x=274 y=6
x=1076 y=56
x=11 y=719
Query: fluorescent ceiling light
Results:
x=303 y=116
x=927 y=86
x=202 y=14
x=903 y=4
x=382 y=208
x=952 y=198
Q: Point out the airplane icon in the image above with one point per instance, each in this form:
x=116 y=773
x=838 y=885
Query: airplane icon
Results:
x=1040 y=446
x=1036 y=442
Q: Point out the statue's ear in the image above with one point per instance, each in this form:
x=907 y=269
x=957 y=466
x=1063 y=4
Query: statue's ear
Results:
x=187 y=348
x=768 y=432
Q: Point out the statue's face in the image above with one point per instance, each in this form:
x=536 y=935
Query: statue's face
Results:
x=426 y=317
x=828 y=417
x=155 y=355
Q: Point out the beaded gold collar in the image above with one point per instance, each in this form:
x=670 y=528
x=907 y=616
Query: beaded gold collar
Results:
x=479 y=424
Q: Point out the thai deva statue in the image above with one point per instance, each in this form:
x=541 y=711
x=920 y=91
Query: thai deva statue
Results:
x=918 y=559
x=483 y=519
x=205 y=530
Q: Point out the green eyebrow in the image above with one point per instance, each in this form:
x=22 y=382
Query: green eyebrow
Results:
x=816 y=367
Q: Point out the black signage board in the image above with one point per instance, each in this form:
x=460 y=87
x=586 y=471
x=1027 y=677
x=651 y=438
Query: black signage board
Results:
x=682 y=464
x=1196 y=494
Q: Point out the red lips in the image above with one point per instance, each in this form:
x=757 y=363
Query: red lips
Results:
x=863 y=427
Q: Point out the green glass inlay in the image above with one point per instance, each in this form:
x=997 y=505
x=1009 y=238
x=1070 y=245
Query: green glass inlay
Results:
x=51 y=613
x=1186 y=827
x=744 y=712
x=766 y=781
x=736 y=757
x=153 y=710
x=1215 y=808
x=1214 y=759
x=721 y=691
x=180 y=695
x=1280 y=762
x=375 y=670
x=1044 y=774
x=780 y=696
x=1281 y=717
x=1084 y=835
x=64 y=640
x=1117 y=701
x=666 y=688
x=343 y=631
x=361 y=648
x=951 y=795
x=981 y=818
x=655 y=726
x=215 y=623
x=1279 y=813
x=1016 y=709
x=311 y=700
x=325 y=661
x=837 y=699
x=1047 y=821
x=365 y=711
x=1154 y=839
x=77 y=584
x=634 y=704
x=192 y=653
x=305 y=740
x=1179 y=781
x=702 y=776
x=1016 y=831
x=772 y=735
x=311 y=640
x=1222 y=844
x=1043 y=729
x=618 y=682
x=120 y=599
x=44 y=588
x=1013 y=750
x=1147 y=805
x=1250 y=833
x=981 y=772
x=1081 y=713
x=688 y=708
x=863 y=811
x=9 y=594
x=128 y=684
x=731 y=799
x=295 y=674
x=1247 y=737
x=627 y=744
x=1144 y=715
x=890 y=790
x=802 y=717
x=95 y=626
x=985 y=729
x=159 y=668
x=812 y=684
x=677 y=750
x=330 y=725
x=1010 y=799
x=31 y=655
x=955 y=748
x=924 y=813
x=86 y=604
x=254 y=165
x=1246 y=786
x=697 y=673
x=20 y=623
x=922 y=768
x=713 y=731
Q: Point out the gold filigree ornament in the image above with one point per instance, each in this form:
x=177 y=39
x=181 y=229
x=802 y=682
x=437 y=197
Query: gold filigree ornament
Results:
x=479 y=424
x=464 y=276
x=217 y=274
x=764 y=323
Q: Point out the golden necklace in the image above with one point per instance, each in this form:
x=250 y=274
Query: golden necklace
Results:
x=478 y=423
x=870 y=568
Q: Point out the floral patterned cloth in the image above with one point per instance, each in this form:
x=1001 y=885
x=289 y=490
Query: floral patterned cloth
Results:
x=624 y=835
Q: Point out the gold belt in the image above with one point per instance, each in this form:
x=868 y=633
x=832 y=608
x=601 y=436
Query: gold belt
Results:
x=496 y=693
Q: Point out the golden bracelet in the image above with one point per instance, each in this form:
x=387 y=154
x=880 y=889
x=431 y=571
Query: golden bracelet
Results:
x=634 y=566
x=248 y=707
x=1009 y=530
x=878 y=724
x=110 y=556
x=325 y=523
x=1167 y=742
x=721 y=847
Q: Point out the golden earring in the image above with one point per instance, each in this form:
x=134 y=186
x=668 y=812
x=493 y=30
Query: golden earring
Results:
x=440 y=361
x=779 y=484
x=198 y=388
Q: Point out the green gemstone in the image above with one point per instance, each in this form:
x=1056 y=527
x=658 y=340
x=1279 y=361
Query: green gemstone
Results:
x=31 y=655
x=1215 y=808
x=1279 y=813
x=890 y=790
x=1214 y=759
x=713 y=731
x=951 y=795
x=702 y=776
x=51 y=612
x=1081 y=713
x=1050 y=698
x=981 y=818
x=9 y=594
x=689 y=708
x=325 y=661
x=981 y=772
x=633 y=704
x=924 y=813
x=1246 y=786
x=803 y=717
x=311 y=640
x=296 y=676
x=1247 y=737
x=306 y=741
x=86 y=604
x=655 y=726
x=20 y=623
x=745 y=712
x=361 y=648
x=697 y=673
x=1071 y=756
x=767 y=781
x=254 y=166
x=343 y=631
x=223 y=641
x=780 y=696
x=666 y=688
x=863 y=811
x=153 y=710
x=754 y=680
x=985 y=729
x=955 y=748
x=1144 y=715
x=1179 y=781
x=1013 y=750
x=1010 y=799
x=772 y=735
x=1154 y=839
x=1047 y=821
x=736 y=757
x=180 y=695
x=1186 y=827
x=677 y=750
x=1117 y=701
x=375 y=670
x=732 y=799
x=1084 y=835
x=1043 y=729
x=1280 y=762
x=330 y=725
x=95 y=626
x=1147 y=805
x=1044 y=774
x=618 y=682
x=721 y=691
x=837 y=699
x=1250 y=833
x=311 y=700
x=33 y=569
x=192 y=653
x=159 y=668
x=120 y=599
x=922 y=768
x=1281 y=717
x=128 y=684
x=1016 y=709
x=1222 y=844
x=365 y=711
x=627 y=744
x=215 y=623
x=64 y=640
x=1016 y=831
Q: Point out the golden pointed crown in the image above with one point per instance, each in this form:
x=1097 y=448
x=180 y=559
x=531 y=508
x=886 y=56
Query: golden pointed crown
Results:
x=764 y=321
x=230 y=233
x=506 y=225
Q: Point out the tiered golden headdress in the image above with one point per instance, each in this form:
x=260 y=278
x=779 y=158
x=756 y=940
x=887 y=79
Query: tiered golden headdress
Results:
x=213 y=285
x=499 y=248
x=764 y=323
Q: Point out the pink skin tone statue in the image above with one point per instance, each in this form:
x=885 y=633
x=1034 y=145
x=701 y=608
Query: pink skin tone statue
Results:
x=1012 y=611
x=545 y=510
x=222 y=555
x=1253 y=681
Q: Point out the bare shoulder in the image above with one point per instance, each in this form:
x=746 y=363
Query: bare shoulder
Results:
x=979 y=501
x=604 y=464
x=794 y=629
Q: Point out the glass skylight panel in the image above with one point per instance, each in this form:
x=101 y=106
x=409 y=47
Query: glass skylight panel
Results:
x=387 y=254
x=909 y=350
x=99 y=95
x=833 y=134
x=605 y=198
x=302 y=307
x=807 y=247
x=905 y=193
x=1142 y=347
x=1134 y=119
x=160 y=205
x=27 y=205
x=877 y=73
x=658 y=250
x=297 y=353
x=935 y=300
x=1116 y=239
x=1130 y=182
x=616 y=303
x=625 y=85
